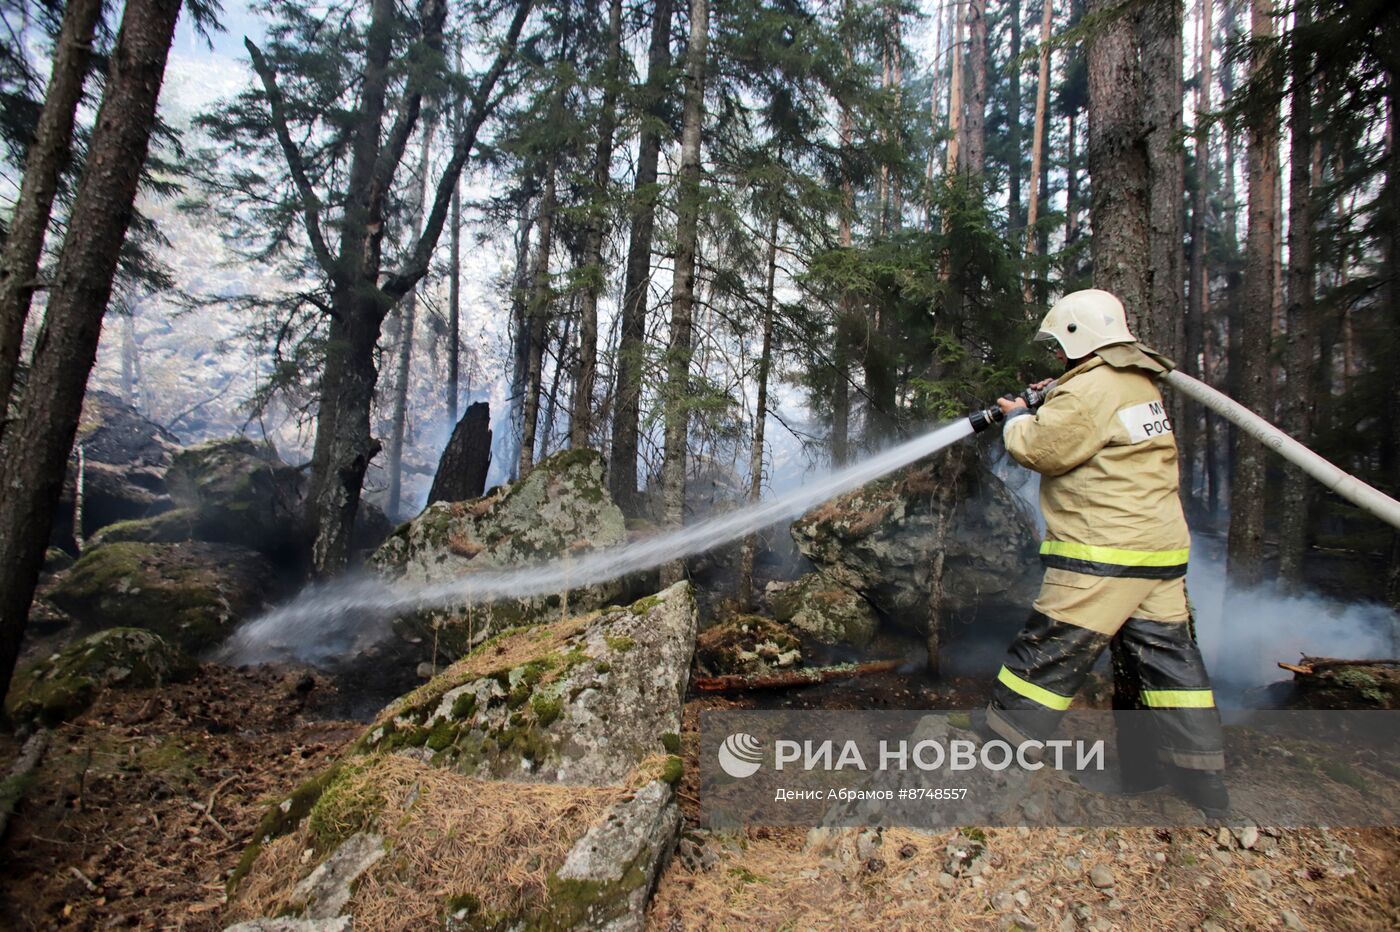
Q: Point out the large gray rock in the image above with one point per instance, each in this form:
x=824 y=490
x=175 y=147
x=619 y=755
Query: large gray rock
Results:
x=883 y=541
x=561 y=508
x=584 y=703
x=192 y=594
x=239 y=492
x=579 y=701
x=125 y=456
x=824 y=609
x=609 y=873
x=61 y=686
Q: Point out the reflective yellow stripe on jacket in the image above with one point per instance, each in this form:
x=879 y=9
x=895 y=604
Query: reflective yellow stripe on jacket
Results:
x=1114 y=561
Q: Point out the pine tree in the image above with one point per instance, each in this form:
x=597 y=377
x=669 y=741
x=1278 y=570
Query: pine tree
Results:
x=36 y=445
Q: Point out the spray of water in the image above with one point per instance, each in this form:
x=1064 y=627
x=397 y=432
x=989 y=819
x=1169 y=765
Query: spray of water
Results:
x=328 y=620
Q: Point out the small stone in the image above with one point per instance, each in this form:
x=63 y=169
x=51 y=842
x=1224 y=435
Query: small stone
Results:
x=1100 y=876
x=1023 y=899
x=1291 y=921
x=873 y=865
x=1071 y=863
x=907 y=851
x=1067 y=924
x=1159 y=857
x=1248 y=837
x=1261 y=879
x=1002 y=902
x=1266 y=845
x=1115 y=905
x=1211 y=926
x=1223 y=838
x=426 y=671
x=1224 y=858
x=946 y=880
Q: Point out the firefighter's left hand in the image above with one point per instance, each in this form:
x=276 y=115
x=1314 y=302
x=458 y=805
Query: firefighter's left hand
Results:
x=1007 y=405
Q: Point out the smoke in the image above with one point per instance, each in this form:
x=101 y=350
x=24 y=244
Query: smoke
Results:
x=326 y=619
x=1244 y=633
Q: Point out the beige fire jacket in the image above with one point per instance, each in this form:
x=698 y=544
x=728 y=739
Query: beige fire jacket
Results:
x=1104 y=447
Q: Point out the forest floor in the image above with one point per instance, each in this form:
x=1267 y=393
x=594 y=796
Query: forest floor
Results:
x=143 y=805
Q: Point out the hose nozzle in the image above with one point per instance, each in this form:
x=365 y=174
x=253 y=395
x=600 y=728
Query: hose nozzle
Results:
x=1033 y=397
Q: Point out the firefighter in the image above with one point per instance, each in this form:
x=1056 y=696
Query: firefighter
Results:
x=1115 y=554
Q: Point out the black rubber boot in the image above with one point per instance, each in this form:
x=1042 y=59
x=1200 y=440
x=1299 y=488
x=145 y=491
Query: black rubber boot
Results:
x=1203 y=789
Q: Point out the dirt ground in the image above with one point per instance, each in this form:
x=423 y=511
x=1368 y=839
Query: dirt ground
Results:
x=142 y=807
x=1025 y=878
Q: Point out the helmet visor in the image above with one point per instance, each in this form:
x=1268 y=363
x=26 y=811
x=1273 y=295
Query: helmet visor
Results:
x=1043 y=336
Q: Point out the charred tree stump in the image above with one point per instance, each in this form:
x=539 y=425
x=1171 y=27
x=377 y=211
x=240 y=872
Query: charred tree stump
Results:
x=461 y=472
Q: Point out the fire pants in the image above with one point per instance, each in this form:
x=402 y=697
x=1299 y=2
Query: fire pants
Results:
x=1157 y=667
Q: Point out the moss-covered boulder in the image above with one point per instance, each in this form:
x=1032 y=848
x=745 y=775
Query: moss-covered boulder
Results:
x=60 y=687
x=240 y=492
x=576 y=701
x=166 y=528
x=747 y=644
x=561 y=509
x=192 y=594
x=824 y=610
x=945 y=525
x=529 y=785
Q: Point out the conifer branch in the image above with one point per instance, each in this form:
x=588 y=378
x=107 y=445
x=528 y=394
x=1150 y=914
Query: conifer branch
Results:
x=310 y=203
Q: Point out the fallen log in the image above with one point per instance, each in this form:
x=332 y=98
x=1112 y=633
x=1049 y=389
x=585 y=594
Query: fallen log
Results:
x=810 y=676
x=1307 y=666
x=1336 y=683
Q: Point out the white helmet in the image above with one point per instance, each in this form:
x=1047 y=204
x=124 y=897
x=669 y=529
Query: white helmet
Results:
x=1084 y=321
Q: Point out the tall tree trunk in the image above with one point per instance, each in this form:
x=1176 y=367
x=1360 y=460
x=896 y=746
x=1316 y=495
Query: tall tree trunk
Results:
x=974 y=150
x=1188 y=427
x=1118 y=164
x=953 y=157
x=408 y=311
x=631 y=349
x=520 y=320
x=344 y=443
x=677 y=401
x=35 y=448
x=454 y=272
x=1160 y=32
x=1014 y=207
x=760 y=416
x=48 y=156
x=1249 y=343
x=1302 y=311
x=1071 y=186
x=1042 y=96
x=1392 y=190
x=361 y=293
x=537 y=328
x=841 y=355
x=581 y=416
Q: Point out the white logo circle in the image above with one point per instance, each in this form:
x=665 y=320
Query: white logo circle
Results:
x=741 y=755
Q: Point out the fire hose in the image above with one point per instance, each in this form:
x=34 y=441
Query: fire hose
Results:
x=1366 y=497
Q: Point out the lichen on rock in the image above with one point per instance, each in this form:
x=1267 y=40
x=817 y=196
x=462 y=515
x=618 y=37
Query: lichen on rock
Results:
x=824 y=609
x=561 y=509
x=62 y=686
x=576 y=701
